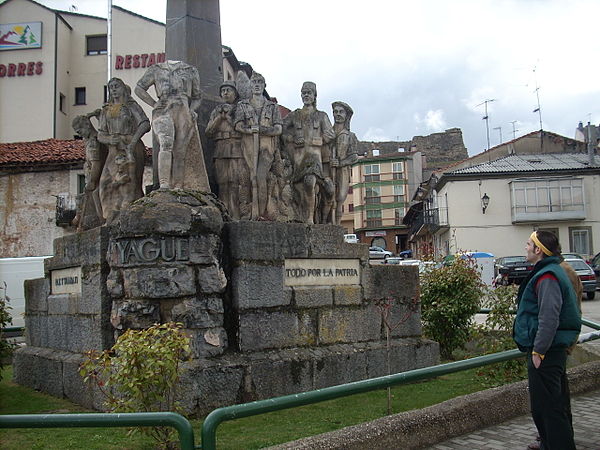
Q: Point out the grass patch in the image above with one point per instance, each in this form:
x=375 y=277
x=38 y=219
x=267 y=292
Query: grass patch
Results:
x=248 y=433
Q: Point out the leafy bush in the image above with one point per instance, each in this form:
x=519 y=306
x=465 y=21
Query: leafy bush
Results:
x=450 y=296
x=495 y=335
x=6 y=346
x=140 y=373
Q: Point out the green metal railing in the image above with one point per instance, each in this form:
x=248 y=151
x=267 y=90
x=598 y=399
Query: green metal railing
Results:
x=216 y=417
x=150 y=419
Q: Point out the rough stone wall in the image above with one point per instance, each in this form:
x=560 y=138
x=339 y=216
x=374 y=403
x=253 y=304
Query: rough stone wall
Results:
x=28 y=212
x=440 y=149
x=164 y=266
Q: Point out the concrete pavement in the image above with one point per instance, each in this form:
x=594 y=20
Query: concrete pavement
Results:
x=519 y=432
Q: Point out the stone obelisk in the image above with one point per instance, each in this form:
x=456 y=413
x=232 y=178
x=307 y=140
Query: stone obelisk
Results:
x=193 y=35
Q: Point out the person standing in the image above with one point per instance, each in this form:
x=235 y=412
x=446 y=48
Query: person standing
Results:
x=547 y=323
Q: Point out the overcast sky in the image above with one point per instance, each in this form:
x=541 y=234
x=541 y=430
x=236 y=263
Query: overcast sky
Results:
x=418 y=67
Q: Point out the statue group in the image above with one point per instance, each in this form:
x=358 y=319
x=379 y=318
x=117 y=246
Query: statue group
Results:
x=295 y=169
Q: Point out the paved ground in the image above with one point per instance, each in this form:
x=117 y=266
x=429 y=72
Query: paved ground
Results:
x=518 y=433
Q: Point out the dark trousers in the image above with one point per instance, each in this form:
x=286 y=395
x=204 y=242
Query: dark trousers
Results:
x=550 y=401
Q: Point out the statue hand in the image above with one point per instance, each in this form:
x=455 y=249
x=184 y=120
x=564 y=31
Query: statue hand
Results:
x=299 y=141
x=335 y=162
x=254 y=129
x=91 y=186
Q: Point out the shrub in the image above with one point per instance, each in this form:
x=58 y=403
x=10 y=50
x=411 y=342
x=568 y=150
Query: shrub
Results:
x=495 y=335
x=140 y=373
x=450 y=296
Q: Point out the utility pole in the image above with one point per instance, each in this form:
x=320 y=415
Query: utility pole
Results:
x=109 y=42
x=500 y=131
x=514 y=129
x=590 y=144
x=487 y=118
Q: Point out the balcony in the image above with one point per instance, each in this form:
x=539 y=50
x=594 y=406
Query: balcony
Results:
x=436 y=218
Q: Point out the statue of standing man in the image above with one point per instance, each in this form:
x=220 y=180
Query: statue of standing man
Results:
x=259 y=121
x=344 y=153
x=307 y=133
x=180 y=157
x=230 y=167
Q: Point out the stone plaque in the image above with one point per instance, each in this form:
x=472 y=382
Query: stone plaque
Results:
x=322 y=272
x=66 y=281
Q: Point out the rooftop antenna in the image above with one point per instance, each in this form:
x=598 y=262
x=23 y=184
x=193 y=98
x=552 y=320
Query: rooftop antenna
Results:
x=537 y=95
x=487 y=118
x=514 y=128
x=500 y=131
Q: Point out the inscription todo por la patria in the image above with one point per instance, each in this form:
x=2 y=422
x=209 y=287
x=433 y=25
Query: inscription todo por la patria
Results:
x=321 y=272
x=148 y=250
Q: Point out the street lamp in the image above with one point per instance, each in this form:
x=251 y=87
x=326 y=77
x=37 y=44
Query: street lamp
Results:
x=485 y=201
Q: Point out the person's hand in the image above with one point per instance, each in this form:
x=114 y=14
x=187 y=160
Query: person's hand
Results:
x=536 y=360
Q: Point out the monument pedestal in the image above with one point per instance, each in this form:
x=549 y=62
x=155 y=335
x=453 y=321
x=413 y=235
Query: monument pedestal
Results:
x=271 y=308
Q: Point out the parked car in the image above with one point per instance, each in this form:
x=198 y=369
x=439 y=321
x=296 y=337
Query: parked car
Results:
x=423 y=265
x=379 y=253
x=595 y=264
x=574 y=256
x=586 y=275
x=350 y=238
x=512 y=269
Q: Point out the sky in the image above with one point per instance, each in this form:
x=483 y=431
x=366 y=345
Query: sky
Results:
x=412 y=68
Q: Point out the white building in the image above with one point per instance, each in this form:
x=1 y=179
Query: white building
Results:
x=53 y=65
x=554 y=192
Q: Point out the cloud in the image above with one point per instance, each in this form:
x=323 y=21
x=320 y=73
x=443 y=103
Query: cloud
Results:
x=375 y=134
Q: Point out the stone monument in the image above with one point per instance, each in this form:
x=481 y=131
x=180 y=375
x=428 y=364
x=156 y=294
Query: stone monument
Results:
x=180 y=162
x=344 y=153
x=271 y=308
x=306 y=135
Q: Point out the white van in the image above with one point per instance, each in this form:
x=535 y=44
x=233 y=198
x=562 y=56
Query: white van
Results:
x=350 y=239
x=13 y=272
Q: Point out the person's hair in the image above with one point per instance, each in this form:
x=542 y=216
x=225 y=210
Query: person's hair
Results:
x=550 y=241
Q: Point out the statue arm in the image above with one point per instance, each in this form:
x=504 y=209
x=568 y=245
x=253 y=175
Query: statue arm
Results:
x=196 y=97
x=328 y=133
x=213 y=122
x=144 y=96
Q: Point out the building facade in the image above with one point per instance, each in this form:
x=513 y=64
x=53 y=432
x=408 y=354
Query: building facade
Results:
x=43 y=86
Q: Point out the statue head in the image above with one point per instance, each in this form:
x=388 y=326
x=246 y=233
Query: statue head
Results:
x=257 y=83
x=342 y=113
x=118 y=89
x=83 y=126
x=229 y=92
x=309 y=93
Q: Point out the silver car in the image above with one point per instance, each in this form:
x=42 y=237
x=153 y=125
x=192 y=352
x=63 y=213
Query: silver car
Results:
x=379 y=253
x=586 y=275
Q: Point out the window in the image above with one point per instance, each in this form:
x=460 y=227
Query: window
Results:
x=105 y=93
x=580 y=240
x=372 y=172
x=351 y=207
x=398 y=193
x=80 y=183
x=398 y=216
x=373 y=195
x=373 y=217
x=397 y=170
x=547 y=199
x=96 y=45
x=62 y=102
x=80 y=96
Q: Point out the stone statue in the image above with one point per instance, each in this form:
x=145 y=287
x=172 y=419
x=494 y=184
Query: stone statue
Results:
x=344 y=153
x=122 y=123
x=259 y=121
x=307 y=131
x=180 y=161
x=230 y=167
x=89 y=212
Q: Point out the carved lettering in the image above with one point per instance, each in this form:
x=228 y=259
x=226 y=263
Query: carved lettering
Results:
x=322 y=272
x=148 y=250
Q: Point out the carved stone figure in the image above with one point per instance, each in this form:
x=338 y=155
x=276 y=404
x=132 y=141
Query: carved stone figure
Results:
x=122 y=123
x=259 y=121
x=230 y=167
x=307 y=131
x=89 y=212
x=344 y=153
x=180 y=161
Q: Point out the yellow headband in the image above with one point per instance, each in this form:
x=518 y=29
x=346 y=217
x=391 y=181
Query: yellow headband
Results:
x=537 y=242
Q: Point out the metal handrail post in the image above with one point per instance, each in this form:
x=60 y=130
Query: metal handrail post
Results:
x=93 y=420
